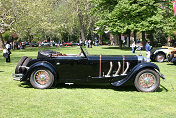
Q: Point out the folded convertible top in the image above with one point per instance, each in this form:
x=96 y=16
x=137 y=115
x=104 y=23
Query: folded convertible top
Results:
x=47 y=54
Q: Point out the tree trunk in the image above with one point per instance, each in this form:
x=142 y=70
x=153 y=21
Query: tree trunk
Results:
x=129 y=35
x=111 y=37
x=135 y=36
x=91 y=29
x=1 y=41
x=68 y=38
x=151 y=37
x=82 y=29
x=120 y=42
x=169 y=41
x=143 y=40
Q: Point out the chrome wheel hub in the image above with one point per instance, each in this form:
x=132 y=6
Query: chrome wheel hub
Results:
x=160 y=58
x=147 y=80
x=41 y=77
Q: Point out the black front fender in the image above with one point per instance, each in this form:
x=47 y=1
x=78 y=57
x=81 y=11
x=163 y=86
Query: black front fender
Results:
x=43 y=64
x=141 y=66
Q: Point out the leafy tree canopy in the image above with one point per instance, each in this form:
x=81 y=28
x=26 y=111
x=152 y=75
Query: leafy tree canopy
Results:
x=124 y=15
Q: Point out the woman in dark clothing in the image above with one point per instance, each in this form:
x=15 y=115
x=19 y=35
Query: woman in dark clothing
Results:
x=8 y=52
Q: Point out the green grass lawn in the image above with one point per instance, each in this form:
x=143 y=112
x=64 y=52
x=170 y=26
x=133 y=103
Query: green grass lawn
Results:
x=20 y=100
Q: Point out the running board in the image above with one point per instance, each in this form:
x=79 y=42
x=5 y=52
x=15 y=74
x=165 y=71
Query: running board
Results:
x=102 y=77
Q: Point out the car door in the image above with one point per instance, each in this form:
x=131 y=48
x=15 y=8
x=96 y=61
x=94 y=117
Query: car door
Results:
x=72 y=69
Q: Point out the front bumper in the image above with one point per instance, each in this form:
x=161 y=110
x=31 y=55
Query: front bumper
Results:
x=162 y=76
x=17 y=77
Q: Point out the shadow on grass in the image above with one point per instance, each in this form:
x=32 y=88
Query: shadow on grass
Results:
x=162 y=88
x=170 y=64
x=25 y=84
x=126 y=88
x=124 y=48
x=83 y=86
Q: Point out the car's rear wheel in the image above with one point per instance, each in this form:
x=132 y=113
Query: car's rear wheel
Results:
x=160 y=57
x=147 y=80
x=41 y=78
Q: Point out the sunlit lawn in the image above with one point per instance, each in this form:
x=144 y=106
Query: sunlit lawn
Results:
x=80 y=101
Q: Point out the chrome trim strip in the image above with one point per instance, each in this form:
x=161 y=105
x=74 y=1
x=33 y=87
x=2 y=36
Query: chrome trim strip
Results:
x=23 y=67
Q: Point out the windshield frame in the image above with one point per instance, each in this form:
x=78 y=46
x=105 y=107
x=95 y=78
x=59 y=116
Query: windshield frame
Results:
x=84 y=50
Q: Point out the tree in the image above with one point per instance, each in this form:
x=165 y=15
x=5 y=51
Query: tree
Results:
x=7 y=18
x=134 y=15
x=76 y=18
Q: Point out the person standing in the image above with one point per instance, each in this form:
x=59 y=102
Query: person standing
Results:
x=133 y=46
x=8 y=52
x=148 y=49
x=90 y=43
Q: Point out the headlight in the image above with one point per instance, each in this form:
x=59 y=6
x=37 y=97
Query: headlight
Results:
x=142 y=59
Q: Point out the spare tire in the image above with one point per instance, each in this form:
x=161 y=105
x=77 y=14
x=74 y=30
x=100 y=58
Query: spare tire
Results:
x=20 y=62
x=25 y=64
x=170 y=56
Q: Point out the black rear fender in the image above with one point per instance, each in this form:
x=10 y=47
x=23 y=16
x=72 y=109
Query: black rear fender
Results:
x=43 y=64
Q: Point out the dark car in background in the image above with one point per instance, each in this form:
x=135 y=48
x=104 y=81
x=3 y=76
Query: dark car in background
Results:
x=45 y=44
x=54 y=67
x=34 y=44
x=27 y=43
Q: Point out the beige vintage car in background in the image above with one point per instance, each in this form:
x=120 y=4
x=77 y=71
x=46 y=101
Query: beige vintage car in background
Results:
x=161 y=54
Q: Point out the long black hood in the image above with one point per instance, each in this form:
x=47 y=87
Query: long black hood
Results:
x=113 y=57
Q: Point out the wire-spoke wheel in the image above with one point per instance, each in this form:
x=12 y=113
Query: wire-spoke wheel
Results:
x=160 y=57
x=41 y=78
x=147 y=80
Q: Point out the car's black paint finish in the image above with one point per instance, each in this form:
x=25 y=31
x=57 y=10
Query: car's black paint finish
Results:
x=114 y=69
x=81 y=69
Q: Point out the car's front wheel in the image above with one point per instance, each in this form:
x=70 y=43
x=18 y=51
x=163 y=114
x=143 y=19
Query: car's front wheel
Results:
x=147 y=80
x=160 y=57
x=41 y=78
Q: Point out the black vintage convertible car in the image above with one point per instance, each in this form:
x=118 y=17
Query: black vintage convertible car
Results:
x=54 y=67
